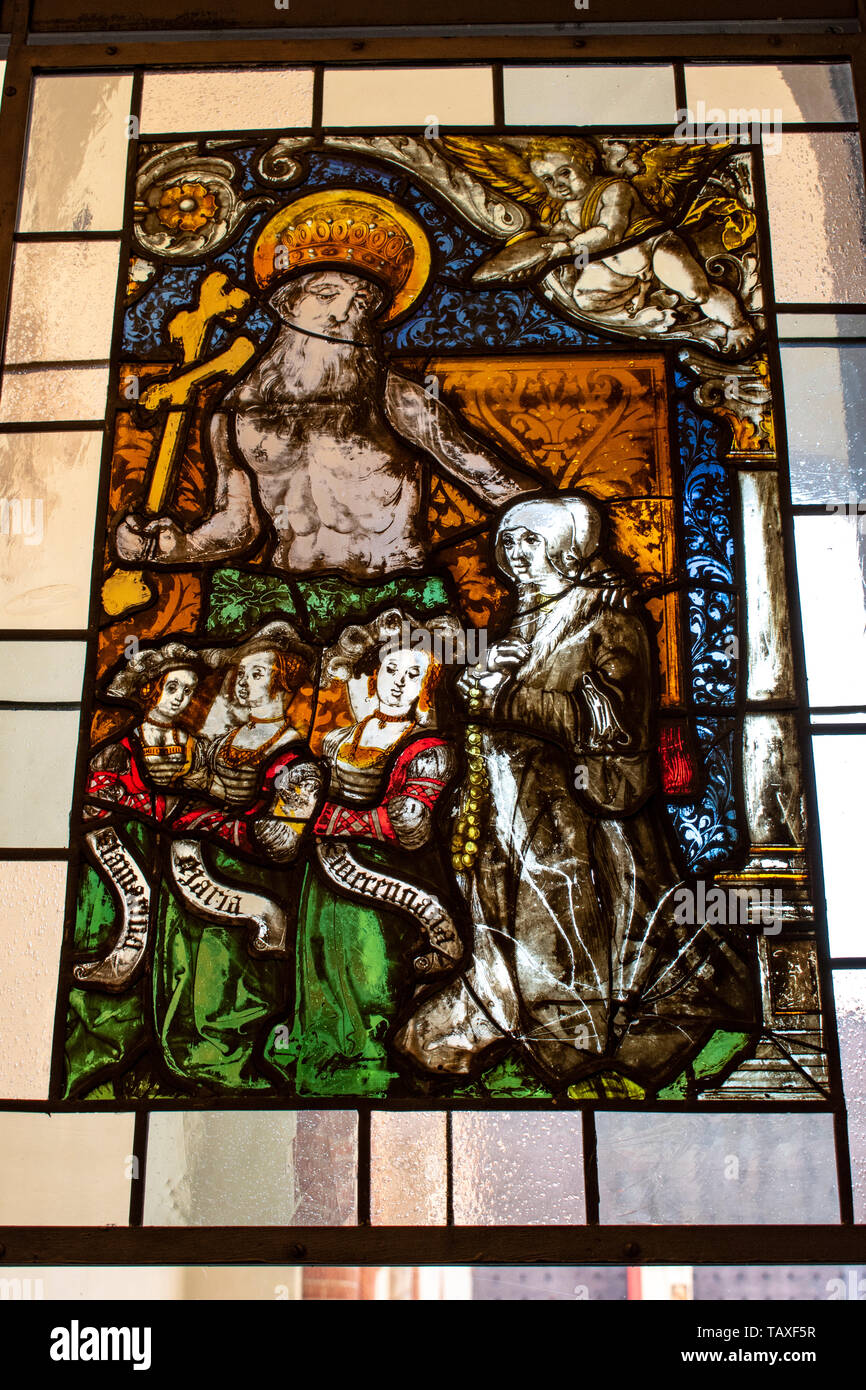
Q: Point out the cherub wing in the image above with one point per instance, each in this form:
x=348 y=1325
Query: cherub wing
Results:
x=672 y=174
x=502 y=169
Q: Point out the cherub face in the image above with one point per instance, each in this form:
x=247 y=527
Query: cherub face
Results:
x=399 y=679
x=253 y=679
x=561 y=176
x=176 y=692
x=526 y=555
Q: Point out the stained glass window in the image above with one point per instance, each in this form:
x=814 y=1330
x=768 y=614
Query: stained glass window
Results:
x=408 y=740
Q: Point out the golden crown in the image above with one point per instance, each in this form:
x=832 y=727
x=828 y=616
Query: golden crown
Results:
x=351 y=229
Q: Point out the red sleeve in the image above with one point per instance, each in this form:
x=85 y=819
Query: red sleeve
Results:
x=126 y=789
x=374 y=823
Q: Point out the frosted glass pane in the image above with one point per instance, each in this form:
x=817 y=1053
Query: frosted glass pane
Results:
x=37 y=755
x=830 y=566
x=75 y=171
x=36 y=394
x=849 y=988
x=32 y=899
x=587 y=95
x=45 y=326
x=815 y=197
x=408 y=96
x=65 y=1170
x=48 y=671
x=825 y=405
x=241 y=1168
x=47 y=516
x=518 y=1169
x=840 y=770
x=269 y=99
x=718 y=1169
x=788 y=91
x=173 y=1283
x=408 y=1169
x=821 y=325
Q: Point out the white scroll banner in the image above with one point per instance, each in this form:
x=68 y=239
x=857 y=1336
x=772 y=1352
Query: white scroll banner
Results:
x=389 y=892
x=127 y=878
x=227 y=904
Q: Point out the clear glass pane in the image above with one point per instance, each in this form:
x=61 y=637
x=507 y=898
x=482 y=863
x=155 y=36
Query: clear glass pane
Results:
x=267 y=99
x=831 y=561
x=519 y=1169
x=587 y=95
x=45 y=671
x=74 y=176
x=76 y=327
x=785 y=91
x=849 y=987
x=240 y=1168
x=825 y=405
x=726 y=1169
x=408 y=96
x=32 y=899
x=408 y=1180
x=31 y=394
x=78 y=1169
x=840 y=771
x=817 y=217
x=326 y=1168
x=37 y=755
x=757 y=1283
x=821 y=325
x=46 y=528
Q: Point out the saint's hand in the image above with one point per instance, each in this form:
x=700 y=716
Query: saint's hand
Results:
x=138 y=538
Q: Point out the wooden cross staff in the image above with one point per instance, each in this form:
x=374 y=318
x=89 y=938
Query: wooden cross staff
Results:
x=218 y=299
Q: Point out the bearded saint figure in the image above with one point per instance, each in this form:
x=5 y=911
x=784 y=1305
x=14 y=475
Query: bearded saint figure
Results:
x=322 y=442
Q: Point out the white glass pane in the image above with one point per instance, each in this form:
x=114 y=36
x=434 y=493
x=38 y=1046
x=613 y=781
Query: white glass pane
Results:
x=269 y=99
x=47 y=516
x=37 y=755
x=716 y=1169
x=408 y=96
x=830 y=566
x=849 y=988
x=75 y=326
x=518 y=1169
x=840 y=771
x=32 y=900
x=821 y=325
x=65 y=1170
x=46 y=671
x=77 y=147
x=784 y=91
x=243 y=1168
x=407 y=1169
x=817 y=209
x=31 y=395
x=588 y=95
x=825 y=405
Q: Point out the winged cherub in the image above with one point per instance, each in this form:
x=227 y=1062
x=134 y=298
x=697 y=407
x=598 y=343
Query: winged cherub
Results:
x=612 y=233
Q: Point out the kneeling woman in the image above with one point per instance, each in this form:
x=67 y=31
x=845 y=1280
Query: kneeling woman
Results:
x=388 y=770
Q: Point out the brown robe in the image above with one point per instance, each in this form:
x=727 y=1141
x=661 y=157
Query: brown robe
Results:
x=575 y=953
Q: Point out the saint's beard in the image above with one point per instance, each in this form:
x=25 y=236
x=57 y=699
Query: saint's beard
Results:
x=306 y=380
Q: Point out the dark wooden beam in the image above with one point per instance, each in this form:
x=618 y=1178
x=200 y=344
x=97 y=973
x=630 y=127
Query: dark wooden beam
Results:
x=432 y=1245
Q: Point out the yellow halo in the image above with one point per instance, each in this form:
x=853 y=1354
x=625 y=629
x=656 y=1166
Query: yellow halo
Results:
x=336 y=227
